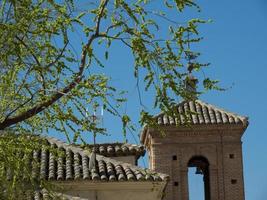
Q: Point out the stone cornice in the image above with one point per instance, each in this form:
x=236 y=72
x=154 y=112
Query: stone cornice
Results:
x=193 y=130
x=182 y=143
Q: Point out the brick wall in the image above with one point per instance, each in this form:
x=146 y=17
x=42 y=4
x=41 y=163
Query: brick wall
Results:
x=221 y=146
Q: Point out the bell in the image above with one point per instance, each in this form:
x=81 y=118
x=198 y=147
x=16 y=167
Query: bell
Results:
x=199 y=171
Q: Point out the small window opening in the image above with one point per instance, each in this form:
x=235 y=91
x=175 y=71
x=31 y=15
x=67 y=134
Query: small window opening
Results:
x=231 y=156
x=233 y=181
x=174 y=157
x=175 y=183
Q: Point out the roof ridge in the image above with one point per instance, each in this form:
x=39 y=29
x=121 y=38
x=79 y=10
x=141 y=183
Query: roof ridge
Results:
x=65 y=145
x=115 y=143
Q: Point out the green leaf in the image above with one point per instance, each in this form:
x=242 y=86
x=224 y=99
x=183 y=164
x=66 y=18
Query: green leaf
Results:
x=129 y=11
x=106 y=55
x=81 y=15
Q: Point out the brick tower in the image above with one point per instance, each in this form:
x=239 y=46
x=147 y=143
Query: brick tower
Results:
x=207 y=138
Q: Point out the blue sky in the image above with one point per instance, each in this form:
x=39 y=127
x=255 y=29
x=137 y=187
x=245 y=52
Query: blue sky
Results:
x=235 y=44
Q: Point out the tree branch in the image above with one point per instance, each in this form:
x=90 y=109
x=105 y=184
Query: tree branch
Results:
x=36 y=60
x=103 y=4
x=59 y=56
x=78 y=77
x=117 y=38
x=21 y=105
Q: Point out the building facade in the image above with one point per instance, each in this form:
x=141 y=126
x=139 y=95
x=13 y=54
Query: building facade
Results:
x=202 y=136
x=198 y=135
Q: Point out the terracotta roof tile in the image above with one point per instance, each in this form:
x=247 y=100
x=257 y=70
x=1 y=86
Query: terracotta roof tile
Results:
x=60 y=161
x=198 y=112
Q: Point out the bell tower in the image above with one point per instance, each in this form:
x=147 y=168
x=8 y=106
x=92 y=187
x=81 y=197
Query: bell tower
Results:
x=201 y=136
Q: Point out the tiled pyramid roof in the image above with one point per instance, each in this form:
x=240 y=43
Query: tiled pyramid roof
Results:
x=199 y=112
x=73 y=164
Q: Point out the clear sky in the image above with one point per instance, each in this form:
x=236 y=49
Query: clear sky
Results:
x=235 y=44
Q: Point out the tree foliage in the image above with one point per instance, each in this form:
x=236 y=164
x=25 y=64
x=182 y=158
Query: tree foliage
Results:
x=45 y=86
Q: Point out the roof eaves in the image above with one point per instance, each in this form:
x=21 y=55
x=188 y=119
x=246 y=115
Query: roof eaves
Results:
x=163 y=177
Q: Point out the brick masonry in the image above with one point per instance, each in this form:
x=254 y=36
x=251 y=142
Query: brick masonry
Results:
x=220 y=144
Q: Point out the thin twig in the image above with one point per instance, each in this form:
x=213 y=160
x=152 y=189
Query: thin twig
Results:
x=59 y=56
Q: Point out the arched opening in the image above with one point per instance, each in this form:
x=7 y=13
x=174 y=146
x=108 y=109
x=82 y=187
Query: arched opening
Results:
x=201 y=166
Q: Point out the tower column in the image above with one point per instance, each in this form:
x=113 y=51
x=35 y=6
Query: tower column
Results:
x=184 y=184
x=214 y=184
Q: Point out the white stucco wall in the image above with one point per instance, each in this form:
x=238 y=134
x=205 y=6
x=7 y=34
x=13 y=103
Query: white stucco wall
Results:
x=113 y=191
x=125 y=159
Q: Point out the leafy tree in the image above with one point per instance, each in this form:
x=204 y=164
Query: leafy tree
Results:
x=45 y=85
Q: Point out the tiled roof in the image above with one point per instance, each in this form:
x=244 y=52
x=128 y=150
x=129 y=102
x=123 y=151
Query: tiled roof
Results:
x=72 y=163
x=118 y=149
x=199 y=112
